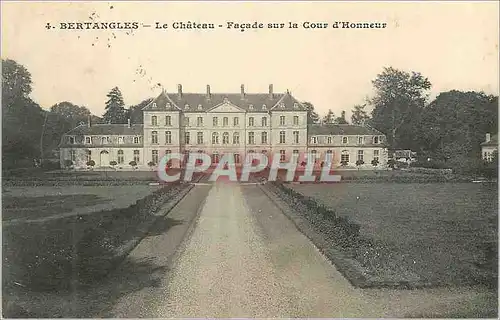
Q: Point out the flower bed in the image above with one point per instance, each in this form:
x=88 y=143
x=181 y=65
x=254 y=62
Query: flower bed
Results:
x=375 y=263
x=61 y=253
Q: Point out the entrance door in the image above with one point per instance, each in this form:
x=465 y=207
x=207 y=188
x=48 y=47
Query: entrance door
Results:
x=104 y=158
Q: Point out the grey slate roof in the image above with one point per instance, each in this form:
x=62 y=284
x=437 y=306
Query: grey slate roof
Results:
x=200 y=102
x=107 y=129
x=341 y=129
x=493 y=141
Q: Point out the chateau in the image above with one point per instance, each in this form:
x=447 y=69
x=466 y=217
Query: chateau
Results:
x=218 y=123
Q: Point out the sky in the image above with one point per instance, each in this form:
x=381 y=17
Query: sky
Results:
x=454 y=44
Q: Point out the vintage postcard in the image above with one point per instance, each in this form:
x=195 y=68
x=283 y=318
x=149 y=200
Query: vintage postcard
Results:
x=265 y=159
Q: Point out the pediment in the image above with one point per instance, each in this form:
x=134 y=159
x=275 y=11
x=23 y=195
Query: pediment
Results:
x=226 y=106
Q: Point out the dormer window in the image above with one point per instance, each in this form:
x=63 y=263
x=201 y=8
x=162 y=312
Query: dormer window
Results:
x=186 y=106
x=295 y=105
x=200 y=107
x=376 y=140
x=88 y=140
x=314 y=140
x=264 y=107
x=344 y=140
x=282 y=105
x=154 y=105
x=226 y=100
x=71 y=140
x=168 y=106
x=120 y=140
x=136 y=139
x=250 y=107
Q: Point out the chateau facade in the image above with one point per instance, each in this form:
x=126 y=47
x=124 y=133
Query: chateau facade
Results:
x=215 y=124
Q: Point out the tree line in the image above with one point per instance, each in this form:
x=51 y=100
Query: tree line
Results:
x=449 y=128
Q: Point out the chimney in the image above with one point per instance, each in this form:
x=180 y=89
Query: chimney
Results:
x=271 y=94
x=179 y=91
x=88 y=122
x=488 y=137
x=242 y=91
x=208 y=92
x=129 y=122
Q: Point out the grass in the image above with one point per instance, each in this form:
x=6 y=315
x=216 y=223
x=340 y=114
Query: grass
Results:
x=446 y=231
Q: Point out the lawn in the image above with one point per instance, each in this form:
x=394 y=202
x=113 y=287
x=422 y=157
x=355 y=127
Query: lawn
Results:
x=449 y=230
x=43 y=201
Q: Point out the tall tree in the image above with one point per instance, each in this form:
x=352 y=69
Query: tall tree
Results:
x=16 y=82
x=359 y=115
x=73 y=114
x=329 y=118
x=455 y=123
x=399 y=99
x=341 y=119
x=134 y=113
x=115 y=111
x=312 y=116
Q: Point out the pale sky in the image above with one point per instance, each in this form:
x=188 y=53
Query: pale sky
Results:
x=454 y=44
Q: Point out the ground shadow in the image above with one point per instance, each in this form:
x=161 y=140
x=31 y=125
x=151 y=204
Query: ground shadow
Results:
x=162 y=225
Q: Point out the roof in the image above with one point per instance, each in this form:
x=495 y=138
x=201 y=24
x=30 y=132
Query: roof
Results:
x=201 y=102
x=107 y=129
x=341 y=129
x=493 y=141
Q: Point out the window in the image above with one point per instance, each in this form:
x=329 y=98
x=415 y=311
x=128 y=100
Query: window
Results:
x=215 y=121
x=282 y=155
x=104 y=140
x=154 y=121
x=264 y=151
x=136 y=156
x=225 y=138
x=187 y=138
x=360 y=155
x=120 y=140
x=236 y=121
x=168 y=137
x=295 y=120
x=236 y=138
x=360 y=140
x=73 y=155
x=199 y=121
x=282 y=136
x=250 y=107
x=120 y=157
x=154 y=156
x=344 y=140
x=282 y=105
x=200 y=107
x=215 y=138
x=154 y=137
x=236 y=158
x=313 y=155
x=225 y=121
x=136 y=139
x=376 y=155
x=168 y=121
x=295 y=137
x=89 y=155
x=295 y=154
x=251 y=138
x=88 y=140
x=264 y=121
x=251 y=122
x=199 y=138
x=375 y=140
x=344 y=156
x=314 y=140
x=329 y=140
x=329 y=156
x=264 y=107
x=215 y=157
x=264 y=137
x=72 y=140
x=282 y=120
x=168 y=152
x=186 y=121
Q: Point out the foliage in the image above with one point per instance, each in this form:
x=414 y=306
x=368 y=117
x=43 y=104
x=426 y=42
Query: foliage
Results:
x=391 y=163
x=344 y=163
x=135 y=114
x=399 y=99
x=113 y=163
x=151 y=164
x=16 y=83
x=359 y=162
x=359 y=115
x=312 y=116
x=68 y=163
x=115 y=111
x=132 y=163
x=329 y=118
x=341 y=119
x=91 y=163
x=375 y=162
